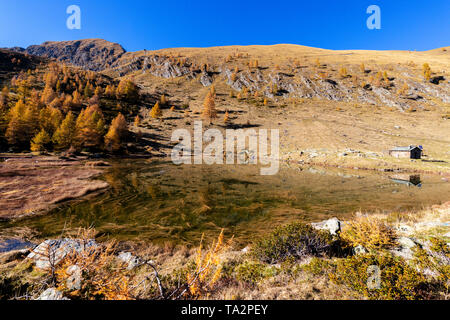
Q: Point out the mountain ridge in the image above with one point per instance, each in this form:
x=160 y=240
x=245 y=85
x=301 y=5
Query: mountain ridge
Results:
x=90 y=54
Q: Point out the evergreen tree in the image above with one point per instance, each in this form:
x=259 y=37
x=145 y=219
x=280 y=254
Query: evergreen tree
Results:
x=163 y=100
x=156 y=112
x=209 y=106
x=117 y=133
x=63 y=136
x=426 y=71
x=48 y=95
x=18 y=132
x=4 y=95
x=127 y=90
x=41 y=142
x=89 y=128
x=226 y=118
x=137 y=121
x=49 y=119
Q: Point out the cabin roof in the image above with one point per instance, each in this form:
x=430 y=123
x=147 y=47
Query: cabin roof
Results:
x=406 y=149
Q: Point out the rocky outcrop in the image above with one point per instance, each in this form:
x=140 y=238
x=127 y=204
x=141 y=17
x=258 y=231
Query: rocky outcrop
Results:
x=90 y=54
x=99 y=55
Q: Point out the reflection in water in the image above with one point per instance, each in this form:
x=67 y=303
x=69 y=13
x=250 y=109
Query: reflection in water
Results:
x=409 y=180
x=163 y=202
x=14 y=244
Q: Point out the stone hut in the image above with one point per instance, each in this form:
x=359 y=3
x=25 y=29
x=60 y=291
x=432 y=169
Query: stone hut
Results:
x=411 y=152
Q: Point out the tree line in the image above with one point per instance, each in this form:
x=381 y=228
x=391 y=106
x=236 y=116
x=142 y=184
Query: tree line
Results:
x=61 y=109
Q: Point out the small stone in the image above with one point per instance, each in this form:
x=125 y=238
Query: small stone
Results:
x=129 y=259
x=359 y=249
x=403 y=228
x=74 y=280
x=51 y=294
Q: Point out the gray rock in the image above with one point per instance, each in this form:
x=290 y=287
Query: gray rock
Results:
x=404 y=253
x=360 y=250
x=403 y=228
x=406 y=243
x=333 y=225
x=51 y=294
x=75 y=277
x=246 y=249
x=92 y=54
x=130 y=260
x=51 y=252
x=205 y=79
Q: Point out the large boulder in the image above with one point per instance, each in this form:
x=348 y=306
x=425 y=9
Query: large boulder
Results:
x=333 y=225
x=50 y=252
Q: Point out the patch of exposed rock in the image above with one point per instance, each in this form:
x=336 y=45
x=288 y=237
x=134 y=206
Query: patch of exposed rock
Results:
x=90 y=54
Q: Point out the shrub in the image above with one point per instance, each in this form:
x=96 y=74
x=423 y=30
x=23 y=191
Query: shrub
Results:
x=398 y=281
x=296 y=240
x=426 y=71
x=101 y=277
x=368 y=232
x=317 y=266
x=438 y=261
x=253 y=272
x=343 y=72
x=208 y=267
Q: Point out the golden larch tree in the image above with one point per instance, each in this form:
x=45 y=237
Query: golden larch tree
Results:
x=64 y=135
x=156 y=112
x=209 y=106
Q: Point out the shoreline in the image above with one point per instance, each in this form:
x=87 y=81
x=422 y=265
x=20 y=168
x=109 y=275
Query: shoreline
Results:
x=241 y=271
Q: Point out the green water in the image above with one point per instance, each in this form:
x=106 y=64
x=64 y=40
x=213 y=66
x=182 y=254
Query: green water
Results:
x=161 y=202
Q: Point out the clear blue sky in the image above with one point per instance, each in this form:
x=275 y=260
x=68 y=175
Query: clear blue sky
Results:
x=155 y=24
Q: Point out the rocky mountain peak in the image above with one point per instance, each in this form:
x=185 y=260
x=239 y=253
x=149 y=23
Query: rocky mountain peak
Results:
x=90 y=54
